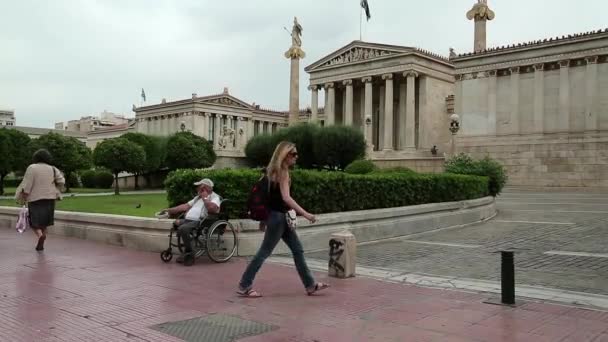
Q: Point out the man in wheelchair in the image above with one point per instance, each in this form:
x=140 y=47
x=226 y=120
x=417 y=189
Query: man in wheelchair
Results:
x=205 y=203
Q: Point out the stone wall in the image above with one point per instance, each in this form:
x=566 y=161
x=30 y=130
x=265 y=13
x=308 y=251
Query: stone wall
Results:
x=546 y=160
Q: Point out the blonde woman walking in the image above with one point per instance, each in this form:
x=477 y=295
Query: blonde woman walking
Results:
x=276 y=228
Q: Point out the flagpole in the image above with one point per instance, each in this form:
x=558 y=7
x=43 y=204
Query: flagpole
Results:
x=360 y=21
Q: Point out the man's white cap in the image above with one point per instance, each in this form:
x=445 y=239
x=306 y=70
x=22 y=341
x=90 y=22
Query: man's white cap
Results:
x=205 y=181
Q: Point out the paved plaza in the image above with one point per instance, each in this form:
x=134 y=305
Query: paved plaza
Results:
x=83 y=291
x=560 y=239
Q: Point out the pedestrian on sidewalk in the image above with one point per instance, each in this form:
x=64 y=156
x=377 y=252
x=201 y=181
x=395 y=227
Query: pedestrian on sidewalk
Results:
x=276 y=227
x=40 y=188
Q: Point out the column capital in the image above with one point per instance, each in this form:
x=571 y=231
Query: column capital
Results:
x=539 y=66
x=514 y=70
x=329 y=85
x=410 y=73
x=591 y=59
x=564 y=63
x=492 y=73
x=241 y=118
x=347 y=82
x=387 y=76
x=313 y=87
x=366 y=79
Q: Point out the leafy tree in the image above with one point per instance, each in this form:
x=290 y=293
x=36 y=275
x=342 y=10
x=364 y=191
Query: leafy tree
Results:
x=15 y=153
x=119 y=155
x=68 y=153
x=152 y=150
x=7 y=159
x=188 y=151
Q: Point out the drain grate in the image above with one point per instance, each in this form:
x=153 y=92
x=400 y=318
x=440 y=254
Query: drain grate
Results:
x=216 y=328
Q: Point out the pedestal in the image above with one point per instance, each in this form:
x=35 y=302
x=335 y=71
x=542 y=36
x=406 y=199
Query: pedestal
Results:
x=342 y=254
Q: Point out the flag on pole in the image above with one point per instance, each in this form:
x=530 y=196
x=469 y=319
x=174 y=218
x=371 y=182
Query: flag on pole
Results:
x=143 y=94
x=365 y=6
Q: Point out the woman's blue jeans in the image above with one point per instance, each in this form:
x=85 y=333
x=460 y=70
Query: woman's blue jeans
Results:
x=277 y=229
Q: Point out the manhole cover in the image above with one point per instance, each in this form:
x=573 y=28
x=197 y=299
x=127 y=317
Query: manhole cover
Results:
x=216 y=328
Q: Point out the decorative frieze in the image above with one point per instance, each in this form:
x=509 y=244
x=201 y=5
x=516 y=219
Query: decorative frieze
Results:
x=358 y=54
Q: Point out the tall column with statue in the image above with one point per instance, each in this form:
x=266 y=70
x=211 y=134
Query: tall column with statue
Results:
x=295 y=53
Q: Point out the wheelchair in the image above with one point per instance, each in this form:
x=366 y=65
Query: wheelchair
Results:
x=214 y=236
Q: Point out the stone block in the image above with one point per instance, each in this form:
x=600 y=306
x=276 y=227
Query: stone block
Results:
x=342 y=255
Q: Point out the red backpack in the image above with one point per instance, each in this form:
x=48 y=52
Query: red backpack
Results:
x=257 y=204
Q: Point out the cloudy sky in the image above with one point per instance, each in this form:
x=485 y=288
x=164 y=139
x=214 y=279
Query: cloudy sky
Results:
x=62 y=59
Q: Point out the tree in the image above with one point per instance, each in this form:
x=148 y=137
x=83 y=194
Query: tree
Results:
x=188 y=151
x=337 y=146
x=119 y=155
x=7 y=159
x=15 y=153
x=69 y=154
x=152 y=150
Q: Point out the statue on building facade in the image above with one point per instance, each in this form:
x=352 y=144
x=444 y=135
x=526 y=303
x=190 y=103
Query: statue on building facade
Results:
x=295 y=51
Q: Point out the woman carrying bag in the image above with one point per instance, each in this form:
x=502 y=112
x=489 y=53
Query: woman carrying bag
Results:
x=276 y=227
x=40 y=188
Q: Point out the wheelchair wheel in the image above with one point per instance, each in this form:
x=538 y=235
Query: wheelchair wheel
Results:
x=166 y=255
x=222 y=241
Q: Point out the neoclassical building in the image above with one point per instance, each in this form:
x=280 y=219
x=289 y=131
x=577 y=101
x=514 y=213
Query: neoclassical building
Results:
x=222 y=118
x=395 y=94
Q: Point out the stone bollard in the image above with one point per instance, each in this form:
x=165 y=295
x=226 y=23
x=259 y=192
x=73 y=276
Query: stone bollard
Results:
x=342 y=254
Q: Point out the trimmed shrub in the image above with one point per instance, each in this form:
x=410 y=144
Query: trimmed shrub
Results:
x=337 y=146
x=396 y=169
x=360 y=167
x=72 y=180
x=324 y=191
x=103 y=179
x=332 y=147
x=464 y=164
x=12 y=183
x=259 y=150
x=88 y=178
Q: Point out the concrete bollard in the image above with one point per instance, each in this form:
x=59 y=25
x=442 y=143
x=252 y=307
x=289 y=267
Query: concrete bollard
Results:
x=342 y=254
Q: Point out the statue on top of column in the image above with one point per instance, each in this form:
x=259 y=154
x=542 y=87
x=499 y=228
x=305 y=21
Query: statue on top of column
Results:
x=296 y=33
x=295 y=51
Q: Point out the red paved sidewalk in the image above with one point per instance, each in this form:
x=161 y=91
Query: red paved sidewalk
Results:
x=82 y=291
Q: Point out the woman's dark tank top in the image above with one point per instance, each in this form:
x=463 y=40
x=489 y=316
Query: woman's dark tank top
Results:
x=275 y=200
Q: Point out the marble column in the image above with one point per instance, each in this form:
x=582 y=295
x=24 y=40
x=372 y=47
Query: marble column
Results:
x=492 y=89
x=410 y=110
x=314 y=104
x=216 y=131
x=388 y=113
x=539 y=98
x=381 y=104
x=330 y=116
x=367 y=111
x=591 y=111
x=206 y=125
x=250 y=128
x=563 y=122
x=514 y=116
x=348 y=105
x=401 y=116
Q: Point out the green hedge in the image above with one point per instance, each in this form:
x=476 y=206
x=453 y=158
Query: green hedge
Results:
x=361 y=167
x=12 y=183
x=101 y=179
x=465 y=165
x=325 y=192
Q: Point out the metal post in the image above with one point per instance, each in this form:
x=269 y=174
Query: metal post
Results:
x=507 y=279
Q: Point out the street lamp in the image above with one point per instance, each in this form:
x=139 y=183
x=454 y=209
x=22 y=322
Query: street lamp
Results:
x=454 y=127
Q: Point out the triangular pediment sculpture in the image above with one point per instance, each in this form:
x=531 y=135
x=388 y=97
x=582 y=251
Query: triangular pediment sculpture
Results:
x=226 y=100
x=358 y=51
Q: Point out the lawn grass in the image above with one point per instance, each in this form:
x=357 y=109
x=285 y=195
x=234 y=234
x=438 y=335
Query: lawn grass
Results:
x=9 y=191
x=118 y=205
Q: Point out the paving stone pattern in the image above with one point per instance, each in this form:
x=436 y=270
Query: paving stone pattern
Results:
x=588 y=233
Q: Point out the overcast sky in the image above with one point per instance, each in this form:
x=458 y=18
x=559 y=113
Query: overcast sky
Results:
x=62 y=59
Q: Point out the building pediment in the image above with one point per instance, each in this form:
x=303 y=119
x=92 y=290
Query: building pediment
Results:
x=224 y=99
x=358 y=52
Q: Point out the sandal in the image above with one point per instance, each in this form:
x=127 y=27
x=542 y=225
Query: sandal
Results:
x=318 y=287
x=249 y=293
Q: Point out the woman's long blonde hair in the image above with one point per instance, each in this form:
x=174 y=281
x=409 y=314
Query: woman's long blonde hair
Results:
x=276 y=169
